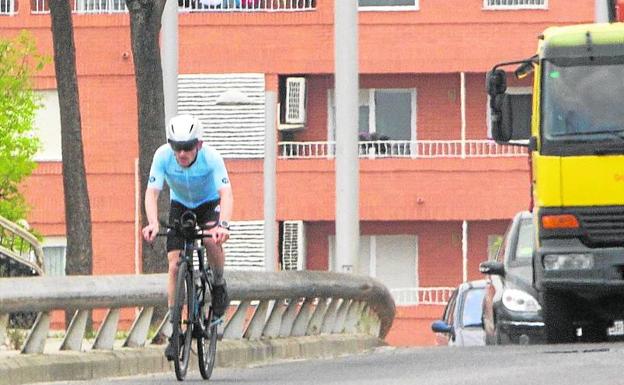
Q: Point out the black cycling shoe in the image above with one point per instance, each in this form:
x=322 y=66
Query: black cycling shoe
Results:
x=170 y=351
x=220 y=300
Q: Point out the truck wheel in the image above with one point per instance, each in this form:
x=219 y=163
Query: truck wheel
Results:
x=557 y=318
x=595 y=332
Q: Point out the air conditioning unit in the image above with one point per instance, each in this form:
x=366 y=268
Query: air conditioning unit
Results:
x=293 y=246
x=295 y=103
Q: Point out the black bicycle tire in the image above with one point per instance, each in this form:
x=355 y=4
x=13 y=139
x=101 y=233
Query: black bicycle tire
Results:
x=206 y=361
x=184 y=290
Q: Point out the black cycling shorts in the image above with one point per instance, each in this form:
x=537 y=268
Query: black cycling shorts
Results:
x=206 y=213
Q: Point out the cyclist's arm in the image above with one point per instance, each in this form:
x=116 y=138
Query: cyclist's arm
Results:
x=151 y=205
x=227 y=203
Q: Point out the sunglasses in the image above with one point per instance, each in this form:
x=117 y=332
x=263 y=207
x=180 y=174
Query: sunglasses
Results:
x=183 y=146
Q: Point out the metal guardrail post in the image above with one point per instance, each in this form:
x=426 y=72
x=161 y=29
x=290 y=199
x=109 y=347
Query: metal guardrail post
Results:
x=256 y=325
x=273 y=325
x=341 y=316
x=140 y=328
x=36 y=339
x=105 y=338
x=234 y=328
x=303 y=318
x=76 y=331
x=353 y=317
x=316 y=321
x=330 y=316
x=288 y=319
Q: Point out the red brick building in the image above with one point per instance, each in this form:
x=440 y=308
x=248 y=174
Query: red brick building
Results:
x=434 y=193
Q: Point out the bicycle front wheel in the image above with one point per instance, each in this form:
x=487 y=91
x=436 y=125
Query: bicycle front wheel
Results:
x=207 y=342
x=181 y=320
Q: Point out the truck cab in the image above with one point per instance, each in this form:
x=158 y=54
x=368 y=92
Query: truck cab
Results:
x=575 y=136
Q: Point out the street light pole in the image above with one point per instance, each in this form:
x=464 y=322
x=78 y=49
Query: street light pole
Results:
x=347 y=160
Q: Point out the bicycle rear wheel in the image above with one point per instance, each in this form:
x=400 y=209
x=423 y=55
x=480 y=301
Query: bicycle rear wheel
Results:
x=181 y=320
x=207 y=342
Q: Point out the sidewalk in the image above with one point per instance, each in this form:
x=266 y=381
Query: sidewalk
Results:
x=18 y=368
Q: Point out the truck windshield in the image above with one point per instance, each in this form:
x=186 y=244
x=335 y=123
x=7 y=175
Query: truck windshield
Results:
x=583 y=102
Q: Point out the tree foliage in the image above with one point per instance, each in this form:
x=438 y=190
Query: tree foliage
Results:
x=19 y=61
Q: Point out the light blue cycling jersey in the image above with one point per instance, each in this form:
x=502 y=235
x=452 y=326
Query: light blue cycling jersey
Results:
x=191 y=186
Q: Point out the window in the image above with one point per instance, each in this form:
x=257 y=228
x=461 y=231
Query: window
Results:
x=7 y=7
x=48 y=126
x=39 y=6
x=521 y=99
x=525 y=243
x=393 y=259
x=54 y=249
x=515 y=4
x=472 y=309
x=385 y=114
x=387 y=4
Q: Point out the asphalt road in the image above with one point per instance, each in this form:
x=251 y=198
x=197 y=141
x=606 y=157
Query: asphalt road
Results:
x=582 y=364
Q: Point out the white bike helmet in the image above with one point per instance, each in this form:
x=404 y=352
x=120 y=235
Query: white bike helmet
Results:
x=183 y=131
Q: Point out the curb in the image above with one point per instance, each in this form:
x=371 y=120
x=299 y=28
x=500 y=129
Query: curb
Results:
x=74 y=366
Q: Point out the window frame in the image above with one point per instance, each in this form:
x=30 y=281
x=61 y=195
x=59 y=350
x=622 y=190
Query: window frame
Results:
x=55 y=241
x=389 y=8
x=370 y=92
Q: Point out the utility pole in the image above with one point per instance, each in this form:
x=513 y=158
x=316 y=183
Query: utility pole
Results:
x=347 y=160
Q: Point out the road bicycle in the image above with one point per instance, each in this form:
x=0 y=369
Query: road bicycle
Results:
x=192 y=315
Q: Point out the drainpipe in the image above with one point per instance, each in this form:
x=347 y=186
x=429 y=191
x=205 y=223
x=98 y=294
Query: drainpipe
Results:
x=270 y=177
x=465 y=251
x=462 y=78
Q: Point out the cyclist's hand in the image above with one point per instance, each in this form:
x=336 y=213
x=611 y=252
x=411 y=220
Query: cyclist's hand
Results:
x=220 y=235
x=150 y=231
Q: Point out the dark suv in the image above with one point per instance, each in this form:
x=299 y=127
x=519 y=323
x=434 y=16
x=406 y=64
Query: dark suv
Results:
x=511 y=311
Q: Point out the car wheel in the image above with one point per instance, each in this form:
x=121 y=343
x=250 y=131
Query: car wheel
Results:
x=557 y=318
x=502 y=338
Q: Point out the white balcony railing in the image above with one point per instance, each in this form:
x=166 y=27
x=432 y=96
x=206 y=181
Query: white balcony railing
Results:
x=515 y=4
x=7 y=7
x=412 y=296
x=404 y=149
x=246 y=5
x=83 y=6
x=116 y=6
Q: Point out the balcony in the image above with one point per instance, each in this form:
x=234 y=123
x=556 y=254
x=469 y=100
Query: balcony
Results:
x=413 y=296
x=118 y=6
x=404 y=149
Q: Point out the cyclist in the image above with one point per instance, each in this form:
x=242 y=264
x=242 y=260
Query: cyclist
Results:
x=198 y=181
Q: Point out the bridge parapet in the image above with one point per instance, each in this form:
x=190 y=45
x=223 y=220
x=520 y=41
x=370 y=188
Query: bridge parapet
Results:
x=282 y=304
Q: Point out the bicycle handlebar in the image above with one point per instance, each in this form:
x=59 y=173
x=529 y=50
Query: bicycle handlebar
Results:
x=188 y=227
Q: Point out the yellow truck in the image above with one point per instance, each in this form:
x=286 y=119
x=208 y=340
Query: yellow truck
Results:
x=575 y=137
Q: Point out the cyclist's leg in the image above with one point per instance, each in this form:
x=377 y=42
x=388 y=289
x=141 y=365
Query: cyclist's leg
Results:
x=208 y=213
x=175 y=244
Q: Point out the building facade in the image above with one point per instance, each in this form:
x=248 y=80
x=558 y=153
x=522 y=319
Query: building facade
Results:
x=435 y=193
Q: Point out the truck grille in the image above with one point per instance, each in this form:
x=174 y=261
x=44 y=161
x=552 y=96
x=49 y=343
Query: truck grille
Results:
x=603 y=226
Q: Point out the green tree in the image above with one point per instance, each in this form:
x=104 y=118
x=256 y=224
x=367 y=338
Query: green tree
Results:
x=19 y=61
